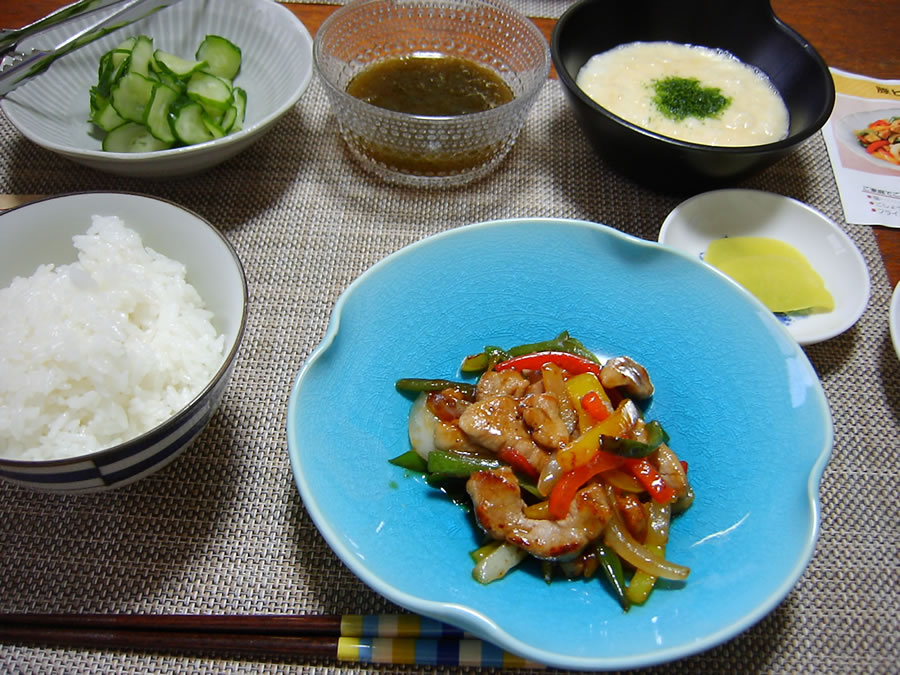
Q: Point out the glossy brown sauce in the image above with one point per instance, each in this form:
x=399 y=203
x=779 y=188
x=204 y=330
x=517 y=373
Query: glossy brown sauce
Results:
x=430 y=85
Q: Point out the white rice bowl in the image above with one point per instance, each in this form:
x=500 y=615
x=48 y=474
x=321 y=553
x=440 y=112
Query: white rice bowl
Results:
x=102 y=349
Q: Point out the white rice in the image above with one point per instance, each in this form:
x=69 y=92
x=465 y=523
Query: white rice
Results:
x=99 y=351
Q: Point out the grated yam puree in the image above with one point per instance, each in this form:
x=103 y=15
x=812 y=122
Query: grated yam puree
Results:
x=99 y=351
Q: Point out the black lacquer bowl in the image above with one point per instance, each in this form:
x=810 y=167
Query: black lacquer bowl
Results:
x=749 y=30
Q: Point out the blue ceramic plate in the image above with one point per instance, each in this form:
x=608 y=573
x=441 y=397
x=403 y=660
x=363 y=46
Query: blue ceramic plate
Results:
x=738 y=397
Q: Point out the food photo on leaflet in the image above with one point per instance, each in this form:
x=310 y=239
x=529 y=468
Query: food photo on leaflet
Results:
x=863 y=141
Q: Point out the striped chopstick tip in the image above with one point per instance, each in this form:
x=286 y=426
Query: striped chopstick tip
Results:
x=428 y=652
x=397 y=626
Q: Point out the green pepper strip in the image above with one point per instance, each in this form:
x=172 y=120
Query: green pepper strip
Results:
x=627 y=447
x=448 y=464
x=611 y=565
x=561 y=343
x=557 y=344
x=423 y=384
x=491 y=355
x=484 y=360
x=411 y=461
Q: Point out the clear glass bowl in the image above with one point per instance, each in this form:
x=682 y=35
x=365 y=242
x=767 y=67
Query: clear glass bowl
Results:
x=421 y=150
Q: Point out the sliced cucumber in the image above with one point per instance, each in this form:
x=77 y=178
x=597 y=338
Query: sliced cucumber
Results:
x=127 y=44
x=130 y=96
x=177 y=101
x=173 y=82
x=189 y=126
x=112 y=66
x=132 y=137
x=157 y=117
x=240 y=107
x=222 y=56
x=228 y=119
x=106 y=117
x=175 y=65
x=212 y=126
x=141 y=56
x=212 y=92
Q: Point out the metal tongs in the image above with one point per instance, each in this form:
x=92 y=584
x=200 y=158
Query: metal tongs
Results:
x=18 y=66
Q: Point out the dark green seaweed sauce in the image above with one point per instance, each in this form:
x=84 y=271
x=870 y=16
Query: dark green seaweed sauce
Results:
x=681 y=97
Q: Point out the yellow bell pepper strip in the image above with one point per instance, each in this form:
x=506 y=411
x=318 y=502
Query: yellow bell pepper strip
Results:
x=649 y=477
x=538 y=510
x=623 y=480
x=569 y=362
x=577 y=387
x=567 y=486
x=657 y=537
x=582 y=449
x=420 y=384
x=518 y=463
x=611 y=565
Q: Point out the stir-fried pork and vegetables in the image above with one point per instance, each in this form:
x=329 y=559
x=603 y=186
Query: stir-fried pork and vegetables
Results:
x=881 y=139
x=551 y=449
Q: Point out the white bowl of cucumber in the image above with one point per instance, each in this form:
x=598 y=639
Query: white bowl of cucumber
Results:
x=174 y=94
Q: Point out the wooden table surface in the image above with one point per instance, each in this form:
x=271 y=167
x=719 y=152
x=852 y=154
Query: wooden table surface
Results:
x=841 y=31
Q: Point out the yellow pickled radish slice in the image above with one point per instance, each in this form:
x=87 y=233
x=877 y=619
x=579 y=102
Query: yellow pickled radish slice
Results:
x=774 y=271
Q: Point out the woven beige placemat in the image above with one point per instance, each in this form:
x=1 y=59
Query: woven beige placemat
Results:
x=223 y=528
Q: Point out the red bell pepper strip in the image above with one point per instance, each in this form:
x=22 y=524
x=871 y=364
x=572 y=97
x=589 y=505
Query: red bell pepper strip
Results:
x=872 y=147
x=570 y=362
x=650 y=478
x=569 y=483
x=594 y=405
x=518 y=462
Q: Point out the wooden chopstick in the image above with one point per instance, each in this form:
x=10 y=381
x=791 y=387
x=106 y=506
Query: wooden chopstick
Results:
x=393 y=639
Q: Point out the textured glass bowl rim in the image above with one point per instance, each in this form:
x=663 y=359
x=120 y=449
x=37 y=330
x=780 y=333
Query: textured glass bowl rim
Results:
x=519 y=102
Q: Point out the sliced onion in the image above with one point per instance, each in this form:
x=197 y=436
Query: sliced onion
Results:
x=422 y=423
x=550 y=473
x=670 y=469
x=496 y=564
x=556 y=385
x=617 y=537
x=659 y=518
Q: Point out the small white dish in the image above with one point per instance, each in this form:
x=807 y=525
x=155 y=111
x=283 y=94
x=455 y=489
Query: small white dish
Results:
x=696 y=222
x=846 y=127
x=52 y=109
x=894 y=319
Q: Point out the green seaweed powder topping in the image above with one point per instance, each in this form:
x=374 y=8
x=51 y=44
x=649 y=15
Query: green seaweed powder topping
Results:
x=682 y=97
